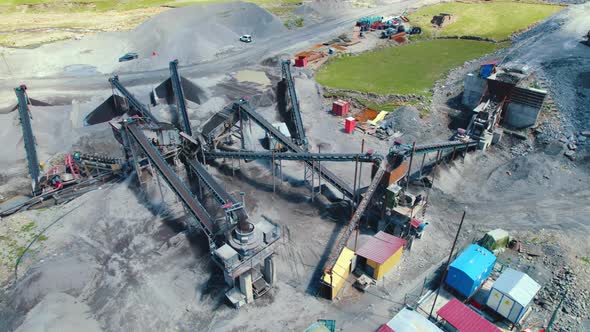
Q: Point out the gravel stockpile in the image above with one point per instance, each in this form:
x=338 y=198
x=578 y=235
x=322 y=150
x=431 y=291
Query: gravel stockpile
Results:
x=198 y=33
x=406 y=120
x=554 y=52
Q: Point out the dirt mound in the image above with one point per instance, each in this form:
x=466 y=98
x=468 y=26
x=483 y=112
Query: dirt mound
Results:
x=189 y=34
x=197 y=33
x=406 y=120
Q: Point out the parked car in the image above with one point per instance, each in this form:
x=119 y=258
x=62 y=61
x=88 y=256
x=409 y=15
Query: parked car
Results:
x=128 y=57
x=246 y=38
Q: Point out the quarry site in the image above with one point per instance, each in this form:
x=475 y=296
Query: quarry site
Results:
x=408 y=165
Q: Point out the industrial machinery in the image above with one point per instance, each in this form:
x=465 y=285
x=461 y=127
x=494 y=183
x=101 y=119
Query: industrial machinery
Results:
x=483 y=126
x=241 y=247
x=74 y=170
x=28 y=137
x=299 y=132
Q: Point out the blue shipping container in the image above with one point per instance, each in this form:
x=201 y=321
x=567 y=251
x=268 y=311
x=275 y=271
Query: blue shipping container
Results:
x=470 y=269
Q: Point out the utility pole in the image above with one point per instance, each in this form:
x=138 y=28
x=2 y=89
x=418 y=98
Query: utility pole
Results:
x=554 y=316
x=444 y=275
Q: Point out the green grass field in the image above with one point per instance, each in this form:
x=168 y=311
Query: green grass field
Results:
x=408 y=69
x=496 y=20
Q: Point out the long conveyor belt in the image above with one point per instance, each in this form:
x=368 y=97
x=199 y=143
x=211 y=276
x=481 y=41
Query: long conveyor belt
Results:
x=178 y=93
x=353 y=223
x=427 y=148
x=221 y=196
x=303 y=156
x=29 y=138
x=324 y=172
x=193 y=206
x=299 y=130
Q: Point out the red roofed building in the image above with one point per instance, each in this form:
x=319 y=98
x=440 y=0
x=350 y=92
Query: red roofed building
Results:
x=461 y=318
x=380 y=253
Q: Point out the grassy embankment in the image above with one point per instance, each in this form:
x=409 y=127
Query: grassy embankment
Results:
x=413 y=68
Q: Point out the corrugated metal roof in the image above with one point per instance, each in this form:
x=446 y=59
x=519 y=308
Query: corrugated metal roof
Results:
x=385 y=328
x=411 y=321
x=518 y=286
x=415 y=222
x=380 y=247
x=473 y=261
x=464 y=319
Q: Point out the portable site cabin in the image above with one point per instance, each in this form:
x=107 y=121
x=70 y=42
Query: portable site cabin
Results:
x=470 y=269
x=380 y=254
x=512 y=294
x=331 y=284
x=495 y=240
x=409 y=321
x=460 y=318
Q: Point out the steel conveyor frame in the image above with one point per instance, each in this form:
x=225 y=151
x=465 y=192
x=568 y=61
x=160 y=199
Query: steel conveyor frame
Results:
x=194 y=207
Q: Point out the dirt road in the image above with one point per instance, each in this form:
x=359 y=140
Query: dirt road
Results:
x=288 y=42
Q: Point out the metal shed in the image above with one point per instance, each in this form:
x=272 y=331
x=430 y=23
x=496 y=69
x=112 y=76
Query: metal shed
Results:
x=512 y=294
x=495 y=240
x=468 y=271
x=409 y=321
x=380 y=254
x=459 y=317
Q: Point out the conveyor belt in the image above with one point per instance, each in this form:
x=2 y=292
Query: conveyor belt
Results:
x=352 y=224
x=325 y=173
x=179 y=94
x=299 y=130
x=193 y=206
x=304 y=156
x=133 y=102
x=427 y=148
x=29 y=138
x=221 y=196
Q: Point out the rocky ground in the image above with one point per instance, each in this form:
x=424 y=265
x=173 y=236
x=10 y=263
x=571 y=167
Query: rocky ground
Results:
x=558 y=266
x=119 y=259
